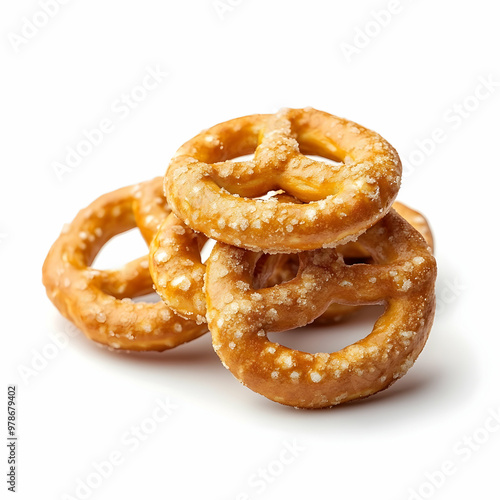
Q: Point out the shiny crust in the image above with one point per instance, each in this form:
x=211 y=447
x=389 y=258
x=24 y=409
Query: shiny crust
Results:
x=99 y=301
x=402 y=277
x=213 y=195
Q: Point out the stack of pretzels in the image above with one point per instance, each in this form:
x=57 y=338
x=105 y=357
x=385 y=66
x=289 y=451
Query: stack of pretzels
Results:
x=297 y=240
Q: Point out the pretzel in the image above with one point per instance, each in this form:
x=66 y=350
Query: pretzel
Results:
x=99 y=302
x=213 y=195
x=402 y=277
x=178 y=272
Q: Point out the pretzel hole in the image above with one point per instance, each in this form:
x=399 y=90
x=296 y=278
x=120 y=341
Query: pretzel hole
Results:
x=206 y=249
x=350 y=261
x=270 y=194
x=330 y=338
x=272 y=270
x=248 y=157
x=150 y=298
x=353 y=253
x=120 y=249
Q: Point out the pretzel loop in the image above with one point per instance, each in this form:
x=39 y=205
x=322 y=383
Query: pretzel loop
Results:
x=215 y=196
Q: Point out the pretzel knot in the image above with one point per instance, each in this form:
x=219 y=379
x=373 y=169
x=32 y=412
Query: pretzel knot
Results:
x=214 y=195
x=178 y=272
x=401 y=276
x=99 y=301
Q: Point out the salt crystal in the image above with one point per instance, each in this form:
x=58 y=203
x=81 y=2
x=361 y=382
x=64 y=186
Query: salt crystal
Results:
x=161 y=256
x=100 y=317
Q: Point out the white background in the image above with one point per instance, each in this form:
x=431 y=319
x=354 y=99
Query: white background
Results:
x=410 y=77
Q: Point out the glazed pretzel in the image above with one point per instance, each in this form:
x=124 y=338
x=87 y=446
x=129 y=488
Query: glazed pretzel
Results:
x=402 y=277
x=99 y=302
x=178 y=272
x=213 y=195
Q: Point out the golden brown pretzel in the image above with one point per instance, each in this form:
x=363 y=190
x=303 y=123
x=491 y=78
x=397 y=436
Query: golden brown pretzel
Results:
x=99 y=302
x=402 y=277
x=213 y=195
x=178 y=272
